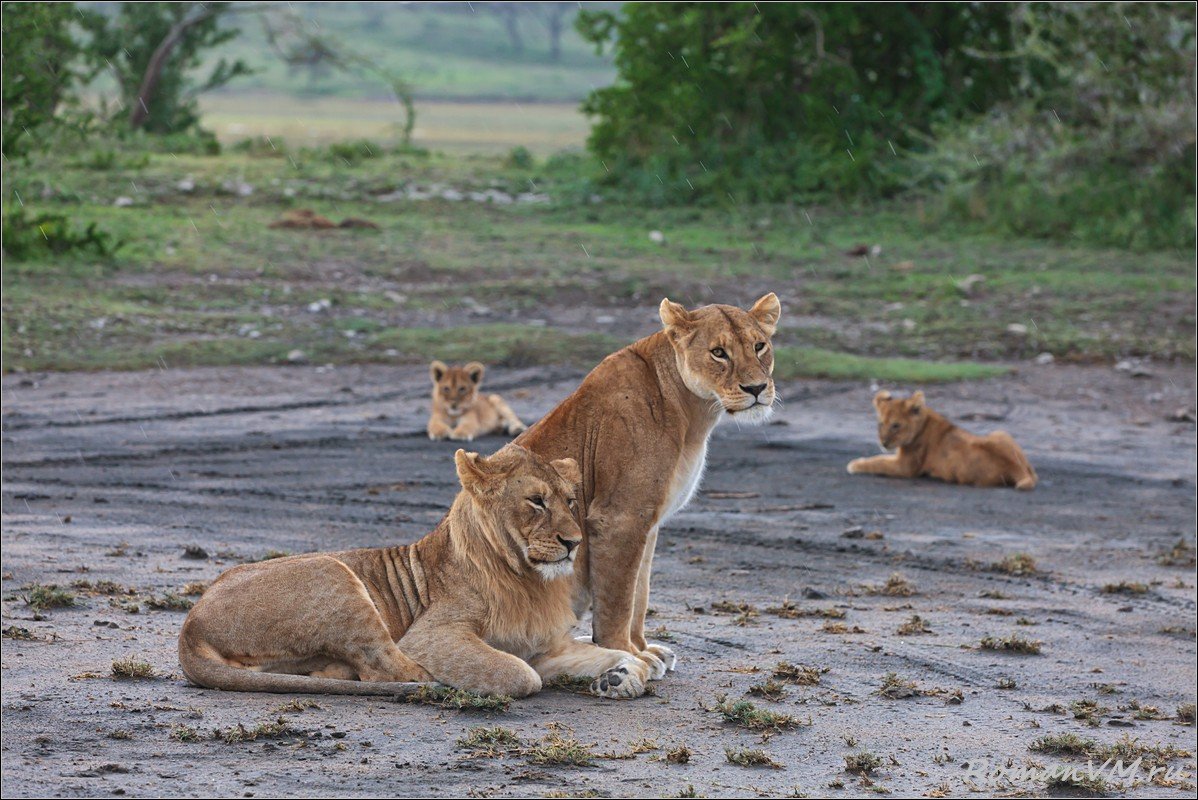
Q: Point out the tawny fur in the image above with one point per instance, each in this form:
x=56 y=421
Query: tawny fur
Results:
x=482 y=603
x=928 y=444
x=639 y=425
x=460 y=412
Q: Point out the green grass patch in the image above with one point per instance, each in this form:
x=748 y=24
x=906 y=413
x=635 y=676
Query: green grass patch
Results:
x=814 y=362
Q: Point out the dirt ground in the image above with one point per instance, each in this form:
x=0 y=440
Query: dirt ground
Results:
x=111 y=477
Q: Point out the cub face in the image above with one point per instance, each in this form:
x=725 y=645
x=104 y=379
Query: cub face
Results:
x=900 y=421
x=455 y=389
x=531 y=503
x=725 y=354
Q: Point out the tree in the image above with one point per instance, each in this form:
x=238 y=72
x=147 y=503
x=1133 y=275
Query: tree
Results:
x=152 y=49
x=39 y=56
x=553 y=16
x=773 y=99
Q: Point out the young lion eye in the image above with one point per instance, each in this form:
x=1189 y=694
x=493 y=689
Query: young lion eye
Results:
x=537 y=501
x=759 y=346
x=572 y=503
x=719 y=352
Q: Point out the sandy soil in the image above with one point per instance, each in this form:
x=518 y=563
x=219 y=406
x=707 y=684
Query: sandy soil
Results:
x=110 y=477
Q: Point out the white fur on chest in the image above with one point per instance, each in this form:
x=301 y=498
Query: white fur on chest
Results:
x=687 y=477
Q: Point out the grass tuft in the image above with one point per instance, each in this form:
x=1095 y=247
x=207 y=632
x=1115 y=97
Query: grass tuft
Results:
x=1013 y=643
x=457 y=699
x=799 y=674
x=45 y=596
x=747 y=715
x=131 y=668
x=743 y=757
x=863 y=763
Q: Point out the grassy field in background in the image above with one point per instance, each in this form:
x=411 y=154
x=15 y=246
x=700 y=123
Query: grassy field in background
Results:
x=445 y=51
x=202 y=279
x=453 y=127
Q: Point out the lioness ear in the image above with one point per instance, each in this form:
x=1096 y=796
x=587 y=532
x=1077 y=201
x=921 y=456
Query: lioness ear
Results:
x=475 y=370
x=767 y=311
x=917 y=401
x=568 y=469
x=437 y=370
x=880 y=398
x=473 y=472
x=674 y=315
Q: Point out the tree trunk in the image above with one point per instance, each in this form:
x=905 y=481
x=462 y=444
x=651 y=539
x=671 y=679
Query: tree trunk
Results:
x=139 y=111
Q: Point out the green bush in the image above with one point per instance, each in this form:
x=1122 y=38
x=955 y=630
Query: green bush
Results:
x=25 y=237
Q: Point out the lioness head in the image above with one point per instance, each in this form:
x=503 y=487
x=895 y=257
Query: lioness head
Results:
x=456 y=388
x=530 y=503
x=900 y=421
x=724 y=354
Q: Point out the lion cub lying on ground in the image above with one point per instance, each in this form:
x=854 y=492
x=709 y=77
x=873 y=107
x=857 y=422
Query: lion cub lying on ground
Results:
x=482 y=603
x=459 y=412
x=928 y=444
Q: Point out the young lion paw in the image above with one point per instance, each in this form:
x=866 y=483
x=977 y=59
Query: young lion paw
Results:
x=660 y=659
x=514 y=428
x=620 y=682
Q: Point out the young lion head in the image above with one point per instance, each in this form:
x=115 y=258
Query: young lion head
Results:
x=455 y=388
x=529 y=503
x=900 y=421
x=724 y=354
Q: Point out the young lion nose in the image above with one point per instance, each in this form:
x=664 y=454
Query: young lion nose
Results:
x=754 y=390
x=569 y=544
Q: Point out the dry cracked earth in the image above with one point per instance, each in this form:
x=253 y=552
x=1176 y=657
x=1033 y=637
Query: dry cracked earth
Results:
x=127 y=489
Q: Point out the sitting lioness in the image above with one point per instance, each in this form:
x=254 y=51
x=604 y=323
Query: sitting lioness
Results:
x=639 y=425
x=482 y=603
x=460 y=412
x=928 y=444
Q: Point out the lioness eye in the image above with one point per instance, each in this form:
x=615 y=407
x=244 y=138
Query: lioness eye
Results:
x=719 y=352
x=537 y=501
x=759 y=346
x=571 y=503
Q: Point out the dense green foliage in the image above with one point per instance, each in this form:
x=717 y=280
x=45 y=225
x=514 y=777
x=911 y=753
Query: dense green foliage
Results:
x=769 y=100
x=1065 y=120
x=1101 y=147
x=39 y=68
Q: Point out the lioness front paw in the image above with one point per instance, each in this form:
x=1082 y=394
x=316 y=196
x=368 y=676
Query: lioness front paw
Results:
x=620 y=682
x=855 y=466
x=661 y=660
x=461 y=436
x=516 y=427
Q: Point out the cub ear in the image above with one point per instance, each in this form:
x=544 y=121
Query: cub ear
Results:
x=474 y=472
x=437 y=370
x=568 y=469
x=880 y=398
x=917 y=401
x=767 y=311
x=475 y=370
x=674 y=315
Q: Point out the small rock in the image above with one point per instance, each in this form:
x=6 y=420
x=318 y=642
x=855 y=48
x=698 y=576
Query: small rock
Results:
x=908 y=324
x=657 y=237
x=1017 y=329
x=186 y=185
x=123 y=202
x=855 y=532
x=194 y=551
x=814 y=594
x=967 y=284
x=320 y=305
x=1045 y=358
x=297 y=357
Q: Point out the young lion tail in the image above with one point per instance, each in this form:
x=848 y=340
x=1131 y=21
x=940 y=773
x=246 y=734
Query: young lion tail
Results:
x=203 y=666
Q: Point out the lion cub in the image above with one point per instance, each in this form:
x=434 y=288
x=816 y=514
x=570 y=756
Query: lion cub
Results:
x=928 y=444
x=460 y=412
x=483 y=603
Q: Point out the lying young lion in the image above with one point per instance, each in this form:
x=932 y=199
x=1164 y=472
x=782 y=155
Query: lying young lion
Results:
x=928 y=444
x=482 y=603
x=459 y=412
